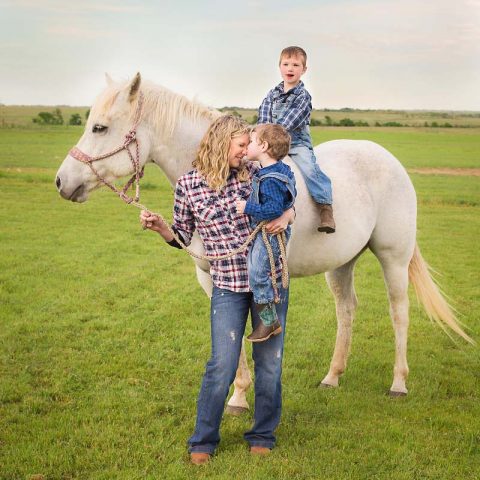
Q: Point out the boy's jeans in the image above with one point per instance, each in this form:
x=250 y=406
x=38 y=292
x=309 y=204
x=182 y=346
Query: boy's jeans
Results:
x=229 y=312
x=318 y=184
x=259 y=270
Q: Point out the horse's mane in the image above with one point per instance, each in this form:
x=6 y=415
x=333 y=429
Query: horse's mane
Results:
x=163 y=107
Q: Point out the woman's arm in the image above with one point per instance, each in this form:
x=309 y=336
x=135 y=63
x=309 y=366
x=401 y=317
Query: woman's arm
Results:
x=152 y=222
x=183 y=221
x=279 y=224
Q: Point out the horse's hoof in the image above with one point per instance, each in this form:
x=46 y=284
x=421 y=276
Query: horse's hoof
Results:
x=235 y=411
x=393 y=394
x=325 y=385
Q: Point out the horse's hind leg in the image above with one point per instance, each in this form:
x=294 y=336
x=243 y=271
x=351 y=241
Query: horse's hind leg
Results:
x=340 y=282
x=395 y=273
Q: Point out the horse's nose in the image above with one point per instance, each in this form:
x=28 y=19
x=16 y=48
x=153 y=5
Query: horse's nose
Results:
x=58 y=182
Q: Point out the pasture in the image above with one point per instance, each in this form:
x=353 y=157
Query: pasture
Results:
x=104 y=335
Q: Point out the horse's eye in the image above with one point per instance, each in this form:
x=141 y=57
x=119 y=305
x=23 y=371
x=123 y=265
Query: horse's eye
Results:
x=97 y=128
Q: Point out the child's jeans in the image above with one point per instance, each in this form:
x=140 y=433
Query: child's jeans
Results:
x=259 y=270
x=318 y=184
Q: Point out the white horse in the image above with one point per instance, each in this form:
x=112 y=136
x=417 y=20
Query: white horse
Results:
x=374 y=203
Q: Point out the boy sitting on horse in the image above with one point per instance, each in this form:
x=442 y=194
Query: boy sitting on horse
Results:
x=289 y=104
x=273 y=192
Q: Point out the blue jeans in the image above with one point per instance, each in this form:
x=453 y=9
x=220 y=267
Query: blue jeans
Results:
x=318 y=184
x=229 y=313
x=259 y=270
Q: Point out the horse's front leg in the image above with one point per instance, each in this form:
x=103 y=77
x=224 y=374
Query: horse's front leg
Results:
x=243 y=380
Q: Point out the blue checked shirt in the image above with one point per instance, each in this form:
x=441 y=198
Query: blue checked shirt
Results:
x=274 y=195
x=296 y=116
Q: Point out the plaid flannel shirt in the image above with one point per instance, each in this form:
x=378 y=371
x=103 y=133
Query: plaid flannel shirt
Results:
x=213 y=215
x=298 y=114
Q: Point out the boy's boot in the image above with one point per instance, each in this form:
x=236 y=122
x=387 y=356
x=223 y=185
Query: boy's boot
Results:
x=269 y=324
x=327 y=223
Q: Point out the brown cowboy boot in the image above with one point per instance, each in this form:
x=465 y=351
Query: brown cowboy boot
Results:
x=263 y=332
x=327 y=223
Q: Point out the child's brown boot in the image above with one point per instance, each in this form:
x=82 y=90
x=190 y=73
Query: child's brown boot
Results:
x=327 y=223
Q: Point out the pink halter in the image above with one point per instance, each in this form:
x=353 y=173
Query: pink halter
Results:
x=130 y=137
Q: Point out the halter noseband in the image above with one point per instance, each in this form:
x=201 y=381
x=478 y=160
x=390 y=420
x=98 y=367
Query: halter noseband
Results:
x=130 y=137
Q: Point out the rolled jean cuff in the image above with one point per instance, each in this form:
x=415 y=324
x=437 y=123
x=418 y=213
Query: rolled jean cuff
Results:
x=201 y=449
x=257 y=443
x=262 y=300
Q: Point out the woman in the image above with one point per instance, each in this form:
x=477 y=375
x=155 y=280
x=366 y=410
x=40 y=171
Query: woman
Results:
x=205 y=201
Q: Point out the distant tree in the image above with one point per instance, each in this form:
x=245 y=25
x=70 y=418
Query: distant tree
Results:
x=75 y=119
x=58 y=117
x=347 y=122
x=254 y=120
x=235 y=113
x=46 y=118
x=87 y=114
x=434 y=124
x=328 y=119
x=49 y=118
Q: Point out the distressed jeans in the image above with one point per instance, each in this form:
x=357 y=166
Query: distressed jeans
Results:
x=229 y=313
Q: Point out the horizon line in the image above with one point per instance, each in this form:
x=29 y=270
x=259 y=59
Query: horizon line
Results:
x=228 y=107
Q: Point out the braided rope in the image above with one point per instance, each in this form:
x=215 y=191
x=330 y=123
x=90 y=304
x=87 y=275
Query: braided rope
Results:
x=281 y=238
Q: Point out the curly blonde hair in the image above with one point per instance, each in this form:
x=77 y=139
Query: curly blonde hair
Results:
x=212 y=155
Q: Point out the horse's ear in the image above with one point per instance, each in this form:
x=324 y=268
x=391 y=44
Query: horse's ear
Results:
x=134 y=86
x=108 y=78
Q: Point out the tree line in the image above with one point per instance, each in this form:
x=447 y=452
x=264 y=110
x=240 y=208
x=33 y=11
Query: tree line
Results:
x=55 y=117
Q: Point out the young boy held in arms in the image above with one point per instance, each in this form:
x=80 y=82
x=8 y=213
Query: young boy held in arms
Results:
x=273 y=192
x=289 y=104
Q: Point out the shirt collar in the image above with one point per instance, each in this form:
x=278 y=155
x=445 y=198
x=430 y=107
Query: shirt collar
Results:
x=273 y=166
x=296 y=89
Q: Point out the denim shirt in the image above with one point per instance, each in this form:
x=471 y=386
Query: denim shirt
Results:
x=278 y=183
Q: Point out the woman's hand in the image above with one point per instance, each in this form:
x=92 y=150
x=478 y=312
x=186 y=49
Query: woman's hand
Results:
x=153 y=222
x=278 y=225
x=240 y=206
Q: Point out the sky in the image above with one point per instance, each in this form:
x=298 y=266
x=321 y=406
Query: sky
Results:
x=399 y=54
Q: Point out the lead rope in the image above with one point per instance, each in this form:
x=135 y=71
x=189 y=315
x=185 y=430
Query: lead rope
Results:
x=281 y=238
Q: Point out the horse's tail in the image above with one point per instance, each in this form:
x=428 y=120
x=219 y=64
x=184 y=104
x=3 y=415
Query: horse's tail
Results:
x=431 y=297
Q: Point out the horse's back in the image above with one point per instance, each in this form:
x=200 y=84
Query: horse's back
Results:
x=373 y=201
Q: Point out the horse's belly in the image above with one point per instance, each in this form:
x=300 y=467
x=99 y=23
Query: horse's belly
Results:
x=310 y=256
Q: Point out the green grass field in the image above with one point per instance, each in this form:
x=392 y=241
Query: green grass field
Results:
x=104 y=335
